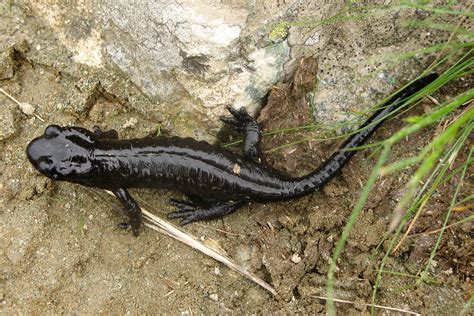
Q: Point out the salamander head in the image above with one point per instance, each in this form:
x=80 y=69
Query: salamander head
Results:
x=62 y=153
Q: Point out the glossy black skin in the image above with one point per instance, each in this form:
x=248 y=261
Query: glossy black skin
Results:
x=217 y=181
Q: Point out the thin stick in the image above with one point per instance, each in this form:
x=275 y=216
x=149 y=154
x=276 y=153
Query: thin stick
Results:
x=166 y=228
x=410 y=226
x=19 y=103
x=219 y=230
x=371 y=305
x=439 y=229
x=463 y=208
x=179 y=235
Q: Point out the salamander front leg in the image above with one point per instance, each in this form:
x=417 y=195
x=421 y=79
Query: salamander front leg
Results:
x=132 y=209
x=243 y=122
x=100 y=134
x=191 y=212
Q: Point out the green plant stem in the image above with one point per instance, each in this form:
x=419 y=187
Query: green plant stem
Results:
x=438 y=176
x=350 y=223
x=417 y=5
x=448 y=215
x=432 y=117
x=436 y=147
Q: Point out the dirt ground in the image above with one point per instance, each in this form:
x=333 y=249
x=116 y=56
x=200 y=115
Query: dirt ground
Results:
x=61 y=250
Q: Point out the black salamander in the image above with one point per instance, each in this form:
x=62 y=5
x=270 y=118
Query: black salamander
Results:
x=217 y=181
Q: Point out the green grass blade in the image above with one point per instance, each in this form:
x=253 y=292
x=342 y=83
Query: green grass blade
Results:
x=448 y=215
x=439 y=10
x=431 y=184
x=432 y=117
x=348 y=227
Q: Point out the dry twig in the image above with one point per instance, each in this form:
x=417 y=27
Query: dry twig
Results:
x=369 y=305
x=162 y=226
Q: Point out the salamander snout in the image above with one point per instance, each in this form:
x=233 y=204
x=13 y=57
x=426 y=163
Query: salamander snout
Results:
x=41 y=146
x=60 y=154
x=39 y=152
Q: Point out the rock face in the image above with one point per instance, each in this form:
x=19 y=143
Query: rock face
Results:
x=173 y=50
x=200 y=55
x=194 y=57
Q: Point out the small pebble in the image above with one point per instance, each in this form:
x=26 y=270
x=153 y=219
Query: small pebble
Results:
x=236 y=169
x=295 y=258
x=449 y=271
x=7 y=128
x=313 y=39
x=214 y=297
x=26 y=108
x=8 y=64
x=130 y=123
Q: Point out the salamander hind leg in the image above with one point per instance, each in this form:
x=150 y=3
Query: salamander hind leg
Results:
x=243 y=122
x=190 y=212
x=195 y=200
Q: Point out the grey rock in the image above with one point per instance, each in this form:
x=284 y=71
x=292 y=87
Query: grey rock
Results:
x=7 y=128
x=8 y=64
x=202 y=55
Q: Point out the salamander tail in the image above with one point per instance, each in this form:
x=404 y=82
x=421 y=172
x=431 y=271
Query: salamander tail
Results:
x=336 y=162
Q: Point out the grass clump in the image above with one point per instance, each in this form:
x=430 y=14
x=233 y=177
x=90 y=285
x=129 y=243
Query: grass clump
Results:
x=433 y=164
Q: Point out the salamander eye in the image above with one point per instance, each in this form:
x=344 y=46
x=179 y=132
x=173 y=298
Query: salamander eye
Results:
x=45 y=166
x=78 y=159
x=52 y=131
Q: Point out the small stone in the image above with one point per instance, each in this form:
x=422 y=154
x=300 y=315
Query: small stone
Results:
x=295 y=258
x=26 y=108
x=8 y=64
x=217 y=271
x=7 y=128
x=214 y=297
x=255 y=297
x=130 y=123
x=242 y=255
x=22 y=47
x=236 y=169
x=449 y=271
x=214 y=244
x=313 y=39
